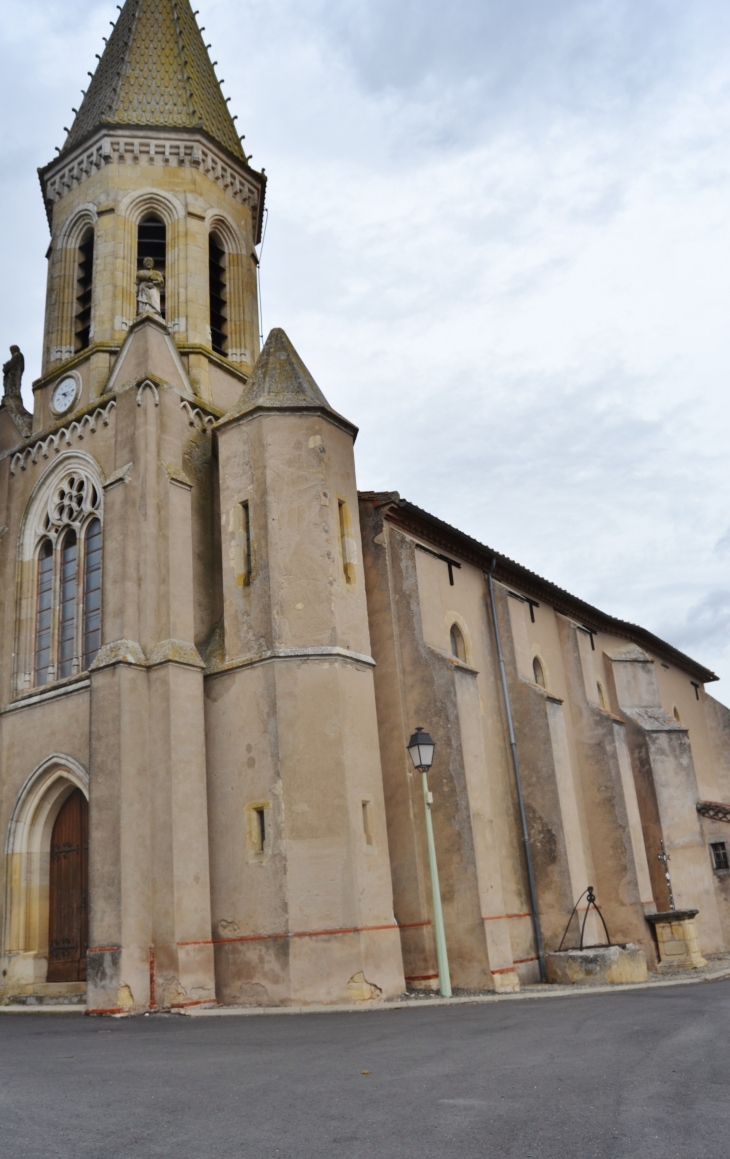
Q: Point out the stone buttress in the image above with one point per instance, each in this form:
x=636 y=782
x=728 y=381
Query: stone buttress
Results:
x=302 y=908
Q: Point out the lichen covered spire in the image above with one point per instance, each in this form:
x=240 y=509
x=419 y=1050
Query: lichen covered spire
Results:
x=281 y=381
x=155 y=72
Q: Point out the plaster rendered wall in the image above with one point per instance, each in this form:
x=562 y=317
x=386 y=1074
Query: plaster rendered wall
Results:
x=418 y=681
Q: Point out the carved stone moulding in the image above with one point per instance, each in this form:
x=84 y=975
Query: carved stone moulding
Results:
x=76 y=429
x=149 y=149
x=714 y=809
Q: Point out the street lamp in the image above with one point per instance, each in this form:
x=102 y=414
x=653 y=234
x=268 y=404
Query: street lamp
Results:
x=421 y=747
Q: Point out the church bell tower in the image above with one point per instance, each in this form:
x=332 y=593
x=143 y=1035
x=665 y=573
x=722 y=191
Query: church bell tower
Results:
x=152 y=168
x=191 y=630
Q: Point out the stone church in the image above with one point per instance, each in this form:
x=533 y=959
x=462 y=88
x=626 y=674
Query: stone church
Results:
x=214 y=648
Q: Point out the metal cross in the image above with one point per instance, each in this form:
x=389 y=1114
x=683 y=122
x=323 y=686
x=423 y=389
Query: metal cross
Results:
x=665 y=859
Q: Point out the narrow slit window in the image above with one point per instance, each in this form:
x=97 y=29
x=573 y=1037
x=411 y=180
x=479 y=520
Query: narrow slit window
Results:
x=602 y=698
x=84 y=288
x=67 y=606
x=44 y=613
x=458 y=647
x=720 y=858
x=347 y=543
x=92 y=593
x=152 y=243
x=366 y=827
x=260 y=830
x=218 y=296
x=539 y=672
x=245 y=545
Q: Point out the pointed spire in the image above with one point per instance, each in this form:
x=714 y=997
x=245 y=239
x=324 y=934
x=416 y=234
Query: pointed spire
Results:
x=156 y=73
x=281 y=381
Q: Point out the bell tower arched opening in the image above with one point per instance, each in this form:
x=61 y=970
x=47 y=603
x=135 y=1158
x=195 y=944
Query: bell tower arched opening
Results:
x=84 y=289
x=218 y=295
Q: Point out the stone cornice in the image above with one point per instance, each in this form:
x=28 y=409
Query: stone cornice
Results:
x=323 y=412
x=50 y=692
x=75 y=426
x=180 y=147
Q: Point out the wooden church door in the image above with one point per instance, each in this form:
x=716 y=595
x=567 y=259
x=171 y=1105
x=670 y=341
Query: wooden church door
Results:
x=68 y=916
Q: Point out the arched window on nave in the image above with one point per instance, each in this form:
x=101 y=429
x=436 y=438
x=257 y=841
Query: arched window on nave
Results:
x=458 y=647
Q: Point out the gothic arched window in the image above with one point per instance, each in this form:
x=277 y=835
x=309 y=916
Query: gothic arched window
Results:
x=67 y=604
x=152 y=243
x=84 y=286
x=458 y=647
x=539 y=672
x=44 y=612
x=92 y=592
x=218 y=295
x=68 y=587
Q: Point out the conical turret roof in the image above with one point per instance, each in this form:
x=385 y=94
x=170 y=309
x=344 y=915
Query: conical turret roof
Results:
x=156 y=73
x=281 y=381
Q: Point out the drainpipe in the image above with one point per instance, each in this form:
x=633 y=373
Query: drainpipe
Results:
x=518 y=781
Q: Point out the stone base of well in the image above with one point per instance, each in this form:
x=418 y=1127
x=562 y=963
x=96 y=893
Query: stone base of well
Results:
x=676 y=933
x=597 y=966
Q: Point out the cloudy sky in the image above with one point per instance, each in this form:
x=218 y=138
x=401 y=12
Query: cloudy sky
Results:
x=499 y=235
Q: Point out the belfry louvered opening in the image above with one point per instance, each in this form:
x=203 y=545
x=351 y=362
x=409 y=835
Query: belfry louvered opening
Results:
x=218 y=295
x=152 y=243
x=84 y=288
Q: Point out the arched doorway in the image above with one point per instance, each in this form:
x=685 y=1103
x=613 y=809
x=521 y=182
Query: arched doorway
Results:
x=68 y=892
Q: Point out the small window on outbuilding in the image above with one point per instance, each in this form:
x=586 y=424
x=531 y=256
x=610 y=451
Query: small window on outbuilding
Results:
x=720 y=858
x=458 y=647
x=539 y=672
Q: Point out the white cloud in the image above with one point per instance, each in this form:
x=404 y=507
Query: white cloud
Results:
x=498 y=236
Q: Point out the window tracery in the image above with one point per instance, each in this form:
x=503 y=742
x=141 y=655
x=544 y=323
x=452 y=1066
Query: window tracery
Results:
x=65 y=539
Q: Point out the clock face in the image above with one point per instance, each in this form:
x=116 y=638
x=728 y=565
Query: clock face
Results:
x=64 y=395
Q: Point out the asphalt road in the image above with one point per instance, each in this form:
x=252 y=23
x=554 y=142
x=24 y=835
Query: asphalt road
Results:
x=634 y=1074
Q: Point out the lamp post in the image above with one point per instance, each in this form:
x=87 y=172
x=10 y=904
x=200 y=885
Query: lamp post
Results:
x=421 y=747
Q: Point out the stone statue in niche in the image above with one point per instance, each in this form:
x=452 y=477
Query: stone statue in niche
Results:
x=149 y=287
x=13 y=373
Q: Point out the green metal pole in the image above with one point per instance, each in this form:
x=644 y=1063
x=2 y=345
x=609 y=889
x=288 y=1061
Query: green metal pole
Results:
x=438 y=918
